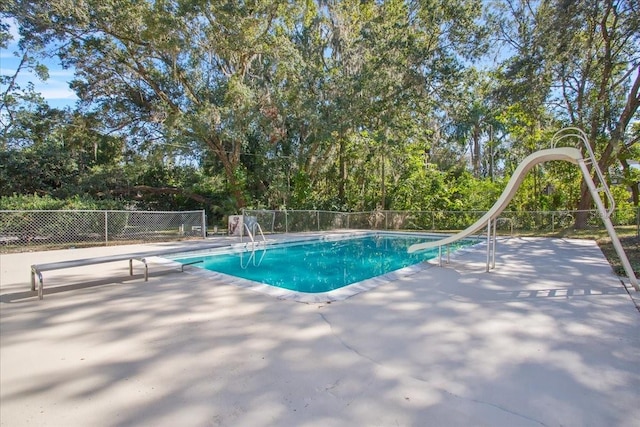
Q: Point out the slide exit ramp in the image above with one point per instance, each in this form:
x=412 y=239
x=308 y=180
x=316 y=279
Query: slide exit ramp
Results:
x=569 y=154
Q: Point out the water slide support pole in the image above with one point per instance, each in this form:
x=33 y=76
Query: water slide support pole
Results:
x=608 y=225
x=488 y=243
x=493 y=254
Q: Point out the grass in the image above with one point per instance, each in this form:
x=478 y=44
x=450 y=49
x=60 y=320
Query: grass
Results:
x=631 y=245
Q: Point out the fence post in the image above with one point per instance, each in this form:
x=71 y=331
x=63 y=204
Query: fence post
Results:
x=273 y=222
x=318 y=219
x=106 y=228
x=204 y=225
x=637 y=221
x=286 y=221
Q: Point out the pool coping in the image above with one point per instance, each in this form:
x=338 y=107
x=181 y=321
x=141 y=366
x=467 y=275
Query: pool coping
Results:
x=550 y=337
x=339 y=294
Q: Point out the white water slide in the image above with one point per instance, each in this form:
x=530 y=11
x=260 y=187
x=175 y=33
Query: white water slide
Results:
x=568 y=154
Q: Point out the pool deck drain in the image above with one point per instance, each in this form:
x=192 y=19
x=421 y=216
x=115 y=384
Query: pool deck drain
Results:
x=550 y=337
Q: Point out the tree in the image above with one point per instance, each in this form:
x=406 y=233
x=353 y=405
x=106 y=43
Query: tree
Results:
x=291 y=102
x=580 y=60
x=472 y=119
x=179 y=70
x=600 y=75
x=18 y=103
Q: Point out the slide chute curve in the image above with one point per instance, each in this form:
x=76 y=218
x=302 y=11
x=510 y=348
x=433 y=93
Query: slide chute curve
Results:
x=568 y=154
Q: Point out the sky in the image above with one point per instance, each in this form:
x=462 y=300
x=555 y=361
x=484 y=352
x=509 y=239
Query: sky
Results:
x=55 y=89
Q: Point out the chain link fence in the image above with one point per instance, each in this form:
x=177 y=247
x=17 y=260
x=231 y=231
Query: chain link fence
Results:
x=293 y=221
x=40 y=230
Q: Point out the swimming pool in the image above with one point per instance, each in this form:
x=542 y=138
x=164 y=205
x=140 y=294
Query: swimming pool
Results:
x=319 y=266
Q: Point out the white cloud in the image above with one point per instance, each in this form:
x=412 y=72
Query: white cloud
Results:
x=54 y=72
x=61 y=73
x=12 y=45
x=56 y=87
x=56 y=92
x=13 y=29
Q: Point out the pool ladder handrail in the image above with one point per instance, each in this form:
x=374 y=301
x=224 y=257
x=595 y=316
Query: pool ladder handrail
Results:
x=252 y=234
x=252 y=257
x=600 y=183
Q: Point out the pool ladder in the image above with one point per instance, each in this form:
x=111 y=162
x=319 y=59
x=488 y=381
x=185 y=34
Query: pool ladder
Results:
x=252 y=233
x=252 y=259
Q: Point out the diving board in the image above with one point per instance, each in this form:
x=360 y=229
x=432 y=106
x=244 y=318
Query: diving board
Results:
x=38 y=269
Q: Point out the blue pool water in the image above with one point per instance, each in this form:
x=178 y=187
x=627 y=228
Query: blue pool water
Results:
x=319 y=266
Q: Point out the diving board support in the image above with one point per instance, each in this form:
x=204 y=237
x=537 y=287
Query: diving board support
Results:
x=182 y=266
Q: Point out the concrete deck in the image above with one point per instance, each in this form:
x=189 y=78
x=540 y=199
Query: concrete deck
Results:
x=550 y=337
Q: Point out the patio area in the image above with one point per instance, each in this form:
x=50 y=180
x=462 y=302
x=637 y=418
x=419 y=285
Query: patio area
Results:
x=550 y=337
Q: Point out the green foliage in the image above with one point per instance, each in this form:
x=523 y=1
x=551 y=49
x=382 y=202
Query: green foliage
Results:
x=578 y=62
x=625 y=212
x=30 y=225
x=44 y=168
x=36 y=202
x=346 y=105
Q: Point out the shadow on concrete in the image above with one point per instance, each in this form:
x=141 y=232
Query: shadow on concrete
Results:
x=536 y=342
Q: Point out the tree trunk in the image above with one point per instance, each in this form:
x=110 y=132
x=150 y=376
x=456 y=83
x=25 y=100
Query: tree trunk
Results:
x=384 y=190
x=475 y=155
x=635 y=191
x=610 y=153
x=343 y=171
x=584 y=204
x=230 y=165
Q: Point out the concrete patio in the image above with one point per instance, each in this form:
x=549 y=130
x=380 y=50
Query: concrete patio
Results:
x=550 y=337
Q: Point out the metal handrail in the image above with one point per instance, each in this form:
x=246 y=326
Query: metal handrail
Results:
x=602 y=183
x=257 y=224
x=252 y=257
x=242 y=266
x=246 y=227
x=252 y=233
